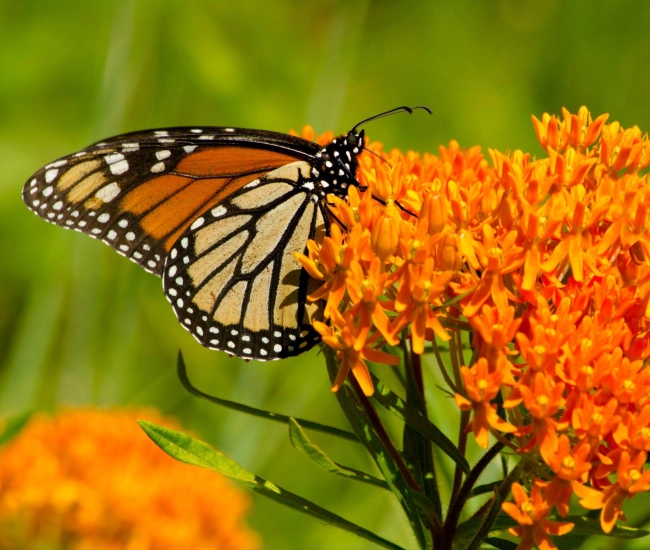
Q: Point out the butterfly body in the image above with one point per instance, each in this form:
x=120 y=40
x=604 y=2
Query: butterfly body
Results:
x=217 y=213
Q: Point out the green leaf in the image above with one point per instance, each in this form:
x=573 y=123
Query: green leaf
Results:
x=301 y=442
x=275 y=417
x=13 y=425
x=416 y=449
x=186 y=449
x=366 y=424
x=501 y=544
x=396 y=405
x=486 y=488
x=588 y=526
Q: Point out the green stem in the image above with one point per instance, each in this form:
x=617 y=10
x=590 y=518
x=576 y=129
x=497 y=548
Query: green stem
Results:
x=465 y=492
x=455 y=354
x=381 y=432
x=500 y=495
x=417 y=447
x=275 y=417
x=441 y=366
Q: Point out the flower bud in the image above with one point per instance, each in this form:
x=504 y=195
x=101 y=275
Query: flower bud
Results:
x=435 y=213
x=384 y=237
x=449 y=257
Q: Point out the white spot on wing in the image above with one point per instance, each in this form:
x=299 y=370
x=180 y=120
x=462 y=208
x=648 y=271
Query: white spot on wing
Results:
x=189 y=148
x=119 y=167
x=158 y=167
x=113 y=158
x=219 y=211
x=162 y=155
x=198 y=223
x=103 y=218
x=108 y=192
x=51 y=174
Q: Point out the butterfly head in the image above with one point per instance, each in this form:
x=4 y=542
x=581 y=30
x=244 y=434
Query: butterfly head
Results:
x=337 y=163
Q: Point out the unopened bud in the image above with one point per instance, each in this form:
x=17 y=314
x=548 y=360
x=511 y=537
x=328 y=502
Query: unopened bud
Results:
x=435 y=213
x=384 y=238
x=449 y=257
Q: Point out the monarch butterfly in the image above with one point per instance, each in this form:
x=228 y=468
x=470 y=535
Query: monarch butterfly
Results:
x=217 y=213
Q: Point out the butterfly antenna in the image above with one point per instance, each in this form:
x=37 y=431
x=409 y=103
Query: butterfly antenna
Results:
x=378 y=156
x=403 y=109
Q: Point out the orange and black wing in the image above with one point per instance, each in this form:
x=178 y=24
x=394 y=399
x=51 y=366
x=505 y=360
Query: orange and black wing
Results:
x=139 y=192
x=232 y=277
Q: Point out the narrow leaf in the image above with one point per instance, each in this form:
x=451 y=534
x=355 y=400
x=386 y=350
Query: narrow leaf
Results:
x=186 y=449
x=367 y=426
x=502 y=544
x=284 y=419
x=486 y=488
x=583 y=527
x=13 y=425
x=396 y=405
x=417 y=449
x=588 y=526
x=301 y=442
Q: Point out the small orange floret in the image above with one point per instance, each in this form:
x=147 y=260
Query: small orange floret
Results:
x=531 y=513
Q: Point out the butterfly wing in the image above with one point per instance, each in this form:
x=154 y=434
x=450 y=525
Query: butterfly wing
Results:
x=232 y=277
x=139 y=192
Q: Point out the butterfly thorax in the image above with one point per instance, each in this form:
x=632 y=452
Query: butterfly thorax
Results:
x=335 y=166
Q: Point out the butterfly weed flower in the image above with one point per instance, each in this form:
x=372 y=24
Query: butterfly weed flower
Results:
x=545 y=261
x=91 y=479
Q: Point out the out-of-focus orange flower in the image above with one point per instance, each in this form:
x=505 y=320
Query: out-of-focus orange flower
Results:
x=90 y=479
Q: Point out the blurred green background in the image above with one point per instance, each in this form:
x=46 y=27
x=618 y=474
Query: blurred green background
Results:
x=79 y=324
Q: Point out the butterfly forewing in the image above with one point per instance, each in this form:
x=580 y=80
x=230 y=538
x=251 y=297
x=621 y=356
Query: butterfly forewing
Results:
x=138 y=192
x=232 y=277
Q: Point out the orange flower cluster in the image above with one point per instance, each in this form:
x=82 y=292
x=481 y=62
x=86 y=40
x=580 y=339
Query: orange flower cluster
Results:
x=90 y=479
x=548 y=261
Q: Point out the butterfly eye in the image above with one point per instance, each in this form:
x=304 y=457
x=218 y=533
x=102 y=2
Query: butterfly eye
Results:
x=352 y=140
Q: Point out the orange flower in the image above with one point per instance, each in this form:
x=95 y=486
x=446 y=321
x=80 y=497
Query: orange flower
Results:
x=482 y=387
x=530 y=513
x=568 y=465
x=417 y=294
x=90 y=479
x=342 y=336
x=631 y=479
x=543 y=400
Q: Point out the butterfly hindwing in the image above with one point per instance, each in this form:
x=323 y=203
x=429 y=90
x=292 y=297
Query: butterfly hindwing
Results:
x=232 y=277
x=138 y=192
